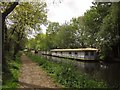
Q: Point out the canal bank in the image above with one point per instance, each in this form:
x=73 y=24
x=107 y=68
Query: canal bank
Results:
x=70 y=76
x=107 y=71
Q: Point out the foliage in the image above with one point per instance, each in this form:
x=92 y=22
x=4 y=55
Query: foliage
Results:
x=22 y=20
x=98 y=28
x=66 y=74
x=10 y=78
x=26 y=17
x=101 y=26
x=51 y=31
x=109 y=33
x=38 y=43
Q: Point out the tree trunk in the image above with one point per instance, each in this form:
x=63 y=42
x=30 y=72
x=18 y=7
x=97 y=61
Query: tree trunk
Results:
x=3 y=28
x=4 y=15
x=119 y=29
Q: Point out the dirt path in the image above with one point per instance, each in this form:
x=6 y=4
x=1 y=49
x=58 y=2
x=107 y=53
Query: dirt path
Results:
x=32 y=76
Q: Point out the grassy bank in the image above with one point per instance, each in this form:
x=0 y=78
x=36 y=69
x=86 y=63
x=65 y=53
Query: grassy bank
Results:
x=11 y=74
x=66 y=74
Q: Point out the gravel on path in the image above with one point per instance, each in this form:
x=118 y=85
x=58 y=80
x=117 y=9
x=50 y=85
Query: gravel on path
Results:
x=33 y=76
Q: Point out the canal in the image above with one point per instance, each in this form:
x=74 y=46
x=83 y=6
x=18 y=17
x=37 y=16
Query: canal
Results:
x=108 y=72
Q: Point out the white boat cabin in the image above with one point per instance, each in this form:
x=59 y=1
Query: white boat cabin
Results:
x=82 y=53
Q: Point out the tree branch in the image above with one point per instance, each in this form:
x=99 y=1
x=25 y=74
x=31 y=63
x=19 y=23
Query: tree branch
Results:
x=10 y=9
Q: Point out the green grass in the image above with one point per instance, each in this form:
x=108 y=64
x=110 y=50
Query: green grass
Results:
x=66 y=74
x=10 y=77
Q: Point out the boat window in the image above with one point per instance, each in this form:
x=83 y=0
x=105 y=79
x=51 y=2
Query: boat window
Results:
x=75 y=53
x=69 y=52
x=92 y=53
x=86 y=53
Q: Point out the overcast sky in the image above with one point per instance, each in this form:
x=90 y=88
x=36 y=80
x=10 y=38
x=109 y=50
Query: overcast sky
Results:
x=66 y=10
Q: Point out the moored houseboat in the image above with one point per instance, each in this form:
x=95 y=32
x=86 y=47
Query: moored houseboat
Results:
x=81 y=53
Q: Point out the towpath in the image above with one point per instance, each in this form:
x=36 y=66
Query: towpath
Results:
x=33 y=76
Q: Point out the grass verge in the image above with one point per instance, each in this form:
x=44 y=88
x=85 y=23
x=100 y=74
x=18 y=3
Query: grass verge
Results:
x=10 y=76
x=66 y=74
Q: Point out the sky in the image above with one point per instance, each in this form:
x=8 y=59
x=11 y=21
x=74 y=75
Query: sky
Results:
x=66 y=10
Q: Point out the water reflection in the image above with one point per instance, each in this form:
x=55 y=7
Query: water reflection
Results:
x=109 y=72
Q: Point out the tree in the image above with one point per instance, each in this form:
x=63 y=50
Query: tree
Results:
x=65 y=37
x=110 y=33
x=6 y=11
x=51 y=31
x=24 y=18
x=78 y=25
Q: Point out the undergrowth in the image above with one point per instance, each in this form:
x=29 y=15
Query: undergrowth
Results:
x=11 y=74
x=66 y=74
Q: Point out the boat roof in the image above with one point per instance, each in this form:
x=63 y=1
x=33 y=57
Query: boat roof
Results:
x=79 y=49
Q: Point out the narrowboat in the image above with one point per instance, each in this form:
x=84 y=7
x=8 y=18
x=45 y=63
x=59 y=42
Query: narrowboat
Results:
x=81 y=53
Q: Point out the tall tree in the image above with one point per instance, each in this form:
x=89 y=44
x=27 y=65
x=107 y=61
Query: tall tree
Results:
x=53 y=28
x=6 y=11
x=110 y=36
x=25 y=17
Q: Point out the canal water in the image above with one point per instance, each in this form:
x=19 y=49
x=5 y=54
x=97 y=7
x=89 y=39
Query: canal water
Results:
x=108 y=72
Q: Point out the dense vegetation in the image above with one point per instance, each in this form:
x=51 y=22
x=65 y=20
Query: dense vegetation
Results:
x=19 y=19
x=98 y=28
x=10 y=77
x=24 y=18
x=66 y=74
